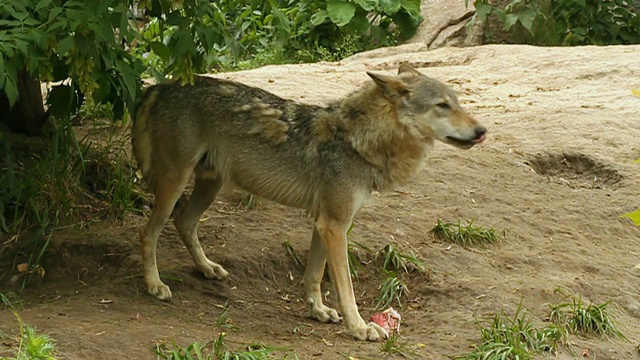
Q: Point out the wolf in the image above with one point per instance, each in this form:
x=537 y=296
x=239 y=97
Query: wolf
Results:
x=325 y=159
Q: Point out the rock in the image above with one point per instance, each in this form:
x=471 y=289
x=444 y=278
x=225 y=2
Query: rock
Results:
x=445 y=24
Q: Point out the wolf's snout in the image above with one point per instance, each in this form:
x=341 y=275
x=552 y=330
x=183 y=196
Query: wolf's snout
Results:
x=481 y=134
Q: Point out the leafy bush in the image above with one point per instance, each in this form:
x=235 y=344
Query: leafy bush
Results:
x=568 y=22
x=83 y=40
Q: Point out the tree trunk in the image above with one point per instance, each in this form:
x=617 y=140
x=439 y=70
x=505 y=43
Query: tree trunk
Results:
x=27 y=116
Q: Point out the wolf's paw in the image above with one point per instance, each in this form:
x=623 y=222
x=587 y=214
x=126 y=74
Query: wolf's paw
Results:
x=370 y=332
x=323 y=313
x=159 y=290
x=211 y=270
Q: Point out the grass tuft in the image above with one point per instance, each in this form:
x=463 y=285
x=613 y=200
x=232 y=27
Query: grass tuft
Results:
x=393 y=346
x=467 y=235
x=224 y=321
x=392 y=289
x=514 y=338
x=580 y=319
x=250 y=201
x=288 y=246
x=394 y=260
x=213 y=350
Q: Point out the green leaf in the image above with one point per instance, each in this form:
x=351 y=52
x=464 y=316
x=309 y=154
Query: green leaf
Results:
x=128 y=77
x=103 y=32
x=510 y=20
x=367 y=5
x=526 y=17
x=11 y=89
x=500 y=14
x=54 y=13
x=319 y=17
x=65 y=45
x=483 y=10
x=412 y=7
x=340 y=13
x=405 y=23
x=161 y=50
x=634 y=216
x=359 y=24
x=42 y=4
x=2 y=73
x=389 y=7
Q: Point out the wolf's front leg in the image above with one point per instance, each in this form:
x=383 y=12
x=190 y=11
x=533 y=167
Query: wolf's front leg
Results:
x=334 y=234
x=312 y=280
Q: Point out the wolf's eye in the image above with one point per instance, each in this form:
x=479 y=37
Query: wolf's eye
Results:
x=443 y=105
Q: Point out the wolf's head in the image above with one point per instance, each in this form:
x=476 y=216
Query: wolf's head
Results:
x=430 y=107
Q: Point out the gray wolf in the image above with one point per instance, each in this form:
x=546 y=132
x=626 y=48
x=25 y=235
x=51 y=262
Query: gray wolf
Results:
x=326 y=160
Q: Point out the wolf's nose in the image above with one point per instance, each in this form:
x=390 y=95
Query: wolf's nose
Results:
x=481 y=131
x=481 y=134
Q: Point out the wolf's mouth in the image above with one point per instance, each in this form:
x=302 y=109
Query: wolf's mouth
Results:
x=466 y=142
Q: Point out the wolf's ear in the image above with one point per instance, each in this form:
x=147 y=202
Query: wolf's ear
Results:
x=392 y=88
x=408 y=69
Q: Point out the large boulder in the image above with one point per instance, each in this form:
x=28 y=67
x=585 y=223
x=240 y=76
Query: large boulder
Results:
x=445 y=24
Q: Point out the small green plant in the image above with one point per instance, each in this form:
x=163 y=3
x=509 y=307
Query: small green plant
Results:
x=213 y=350
x=394 y=260
x=578 y=318
x=392 y=289
x=393 y=346
x=465 y=235
x=33 y=345
x=291 y=251
x=224 y=321
x=514 y=338
x=250 y=201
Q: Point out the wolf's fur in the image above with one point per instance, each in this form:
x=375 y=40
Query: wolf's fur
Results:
x=327 y=160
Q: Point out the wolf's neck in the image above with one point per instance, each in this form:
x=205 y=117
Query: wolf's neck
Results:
x=395 y=150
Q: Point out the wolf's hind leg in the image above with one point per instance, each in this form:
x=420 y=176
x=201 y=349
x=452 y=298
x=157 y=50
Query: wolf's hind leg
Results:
x=204 y=191
x=312 y=280
x=167 y=190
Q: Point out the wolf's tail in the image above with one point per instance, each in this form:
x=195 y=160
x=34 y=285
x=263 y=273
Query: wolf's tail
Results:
x=141 y=134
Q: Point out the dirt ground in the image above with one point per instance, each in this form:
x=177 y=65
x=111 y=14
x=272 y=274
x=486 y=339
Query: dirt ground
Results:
x=556 y=172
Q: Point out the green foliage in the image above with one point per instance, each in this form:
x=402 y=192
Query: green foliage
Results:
x=634 y=216
x=49 y=186
x=213 y=350
x=37 y=192
x=80 y=40
x=33 y=345
x=392 y=289
x=467 y=235
x=514 y=338
x=591 y=319
x=568 y=22
x=293 y=254
x=98 y=49
x=394 y=260
x=393 y=346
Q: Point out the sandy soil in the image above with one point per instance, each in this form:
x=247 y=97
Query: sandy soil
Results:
x=555 y=173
